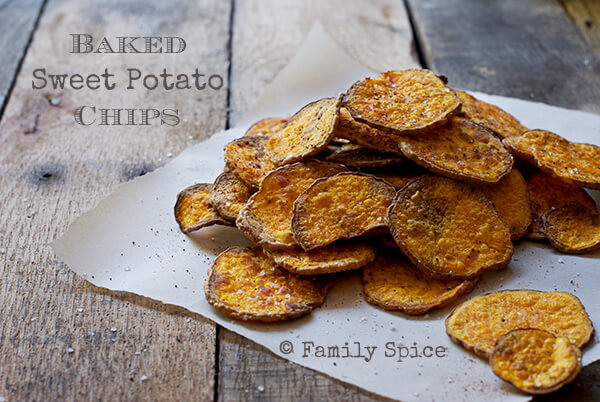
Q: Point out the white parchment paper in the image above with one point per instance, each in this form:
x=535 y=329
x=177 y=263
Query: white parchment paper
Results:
x=131 y=242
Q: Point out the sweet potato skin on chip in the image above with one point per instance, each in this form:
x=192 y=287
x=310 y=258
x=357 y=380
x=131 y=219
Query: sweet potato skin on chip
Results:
x=573 y=228
x=535 y=361
x=193 y=210
x=340 y=207
x=358 y=156
x=393 y=283
x=490 y=116
x=246 y=157
x=245 y=283
x=511 y=199
x=545 y=193
x=460 y=150
x=573 y=163
x=326 y=260
x=267 y=217
x=402 y=102
x=229 y=195
x=365 y=135
x=449 y=230
x=266 y=127
x=306 y=133
x=478 y=323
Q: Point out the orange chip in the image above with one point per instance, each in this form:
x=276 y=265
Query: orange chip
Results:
x=461 y=150
x=229 y=195
x=333 y=258
x=490 y=116
x=266 y=127
x=246 y=157
x=535 y=361
x=340 y=207
x=449 y=230
x=402 y=102
x=397 y=180
x=193 y=210
x=358 y=156
x=365 y=135
x=511 y=199
x=307 y=133
x=545 y=193
x=478 y=323
x=246 y=284
x=393 y=283
x=573 y=228
x=267 y=217
x=571 y=162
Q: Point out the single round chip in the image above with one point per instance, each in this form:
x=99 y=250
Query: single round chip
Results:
x=511 y=199
x=358 y=156
x=461 y=150
x=245 y=283
x=571 y=162
x=573 y=228
x=306 y=133
x=449 y=230
x=489 y=116
x=229 y=195
x=333 y=258
x=402 y=102
x=535 y=361
x=393 y=283
x=193 y=210
x=545 y=193
x=365 y=135
x=398 y=181
x=267 y=217
x=246 y=158
x=478 y=323
x=266 y=127
x=340 y=207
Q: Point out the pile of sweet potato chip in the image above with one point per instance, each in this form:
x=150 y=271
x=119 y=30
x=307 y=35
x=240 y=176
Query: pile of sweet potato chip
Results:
x=417 y=184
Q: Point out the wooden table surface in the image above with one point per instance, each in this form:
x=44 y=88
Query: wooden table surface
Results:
x=127 y=347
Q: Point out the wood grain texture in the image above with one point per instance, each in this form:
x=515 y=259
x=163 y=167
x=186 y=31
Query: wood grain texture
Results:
x=20 y=16
x=525 y=49
x=586 y=14
x=266 y=35
x=52 y=170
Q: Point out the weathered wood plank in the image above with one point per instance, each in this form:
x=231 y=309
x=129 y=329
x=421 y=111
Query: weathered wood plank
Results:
x=52 y=170
x=20 y=16
x=526 y=49
x=586 y=14
x=266 y=35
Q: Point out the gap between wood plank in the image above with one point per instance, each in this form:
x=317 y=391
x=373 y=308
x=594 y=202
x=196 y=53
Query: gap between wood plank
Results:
x=20 y=64
x=416 y=36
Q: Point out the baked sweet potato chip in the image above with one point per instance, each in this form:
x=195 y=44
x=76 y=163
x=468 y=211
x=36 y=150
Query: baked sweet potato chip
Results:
x=245 y=283
x=229 y=195
x=246 y=158
x=358 y=156
x=267 y=217
x=490 y=116
x=340 y=207
x=461 y=150
x=398 y=181
x=573 y=228
x=511 y=199
x=193 y=210
x=393 y=283
x=573 y=163
x=545 y=193
x=402 y=102
x=266 y=127
x=449 y=230
x=535 y=361
x=306 y=133
x=333 y=258
x=365 y=135
x=478 y=323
